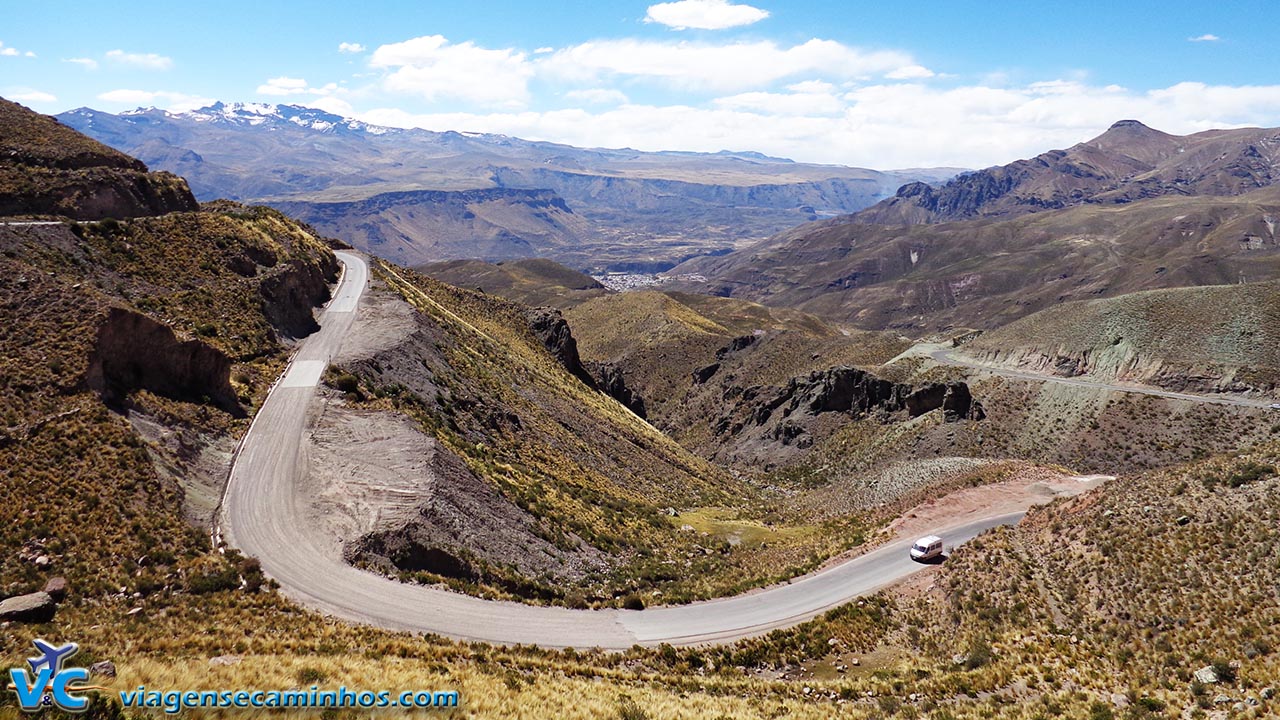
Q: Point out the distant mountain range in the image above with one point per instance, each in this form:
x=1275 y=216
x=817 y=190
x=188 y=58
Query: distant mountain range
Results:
x=631 y=209
x=1128 y=162
x=1133 y=209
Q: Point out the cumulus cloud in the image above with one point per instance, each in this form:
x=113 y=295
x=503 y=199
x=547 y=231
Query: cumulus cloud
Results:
x=910 y=72
x=283 y=86
x=172 y=101
x=1207 y=37
x=433 y=68
x=145 y=61
x=598 y=96
x=885 y=125
x=31 y=96
x=295 y=86
x=86 y=63
x=351 y=48
x=7 y=51
x=704 y=14
x=724 y=67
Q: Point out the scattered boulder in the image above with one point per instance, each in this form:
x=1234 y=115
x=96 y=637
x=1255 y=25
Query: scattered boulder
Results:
x=57 y=588
x=1183 y=520
x=1207 y=675
x=106 y=668
x=36 y=607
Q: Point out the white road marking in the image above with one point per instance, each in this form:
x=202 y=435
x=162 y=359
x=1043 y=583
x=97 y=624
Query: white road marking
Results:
x=304 y=374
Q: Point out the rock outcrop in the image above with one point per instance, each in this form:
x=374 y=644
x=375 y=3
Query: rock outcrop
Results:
x=794 y=415
x=292 y=294
x=549 y=326
x=610 y=380
x=134 y=352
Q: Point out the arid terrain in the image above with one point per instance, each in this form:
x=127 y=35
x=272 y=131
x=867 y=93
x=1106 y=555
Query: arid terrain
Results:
x=517 y=438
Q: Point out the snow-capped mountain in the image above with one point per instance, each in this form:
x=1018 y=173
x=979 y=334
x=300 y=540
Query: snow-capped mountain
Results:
x=259 y=152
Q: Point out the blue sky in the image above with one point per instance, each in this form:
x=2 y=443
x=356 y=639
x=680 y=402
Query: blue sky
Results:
x=860 y=83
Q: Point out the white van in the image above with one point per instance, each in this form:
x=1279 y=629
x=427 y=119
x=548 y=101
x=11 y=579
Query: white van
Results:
x=927 y=548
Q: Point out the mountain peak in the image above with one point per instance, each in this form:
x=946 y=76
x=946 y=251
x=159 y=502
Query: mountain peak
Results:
x=1128 y=124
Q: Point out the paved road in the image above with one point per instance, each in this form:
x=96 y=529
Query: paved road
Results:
x=263 y=516
x=948 y=356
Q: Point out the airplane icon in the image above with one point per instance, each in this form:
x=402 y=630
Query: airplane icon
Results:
x=53 y=656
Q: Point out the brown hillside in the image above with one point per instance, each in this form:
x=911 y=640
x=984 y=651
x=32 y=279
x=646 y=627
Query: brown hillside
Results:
x=49 y=169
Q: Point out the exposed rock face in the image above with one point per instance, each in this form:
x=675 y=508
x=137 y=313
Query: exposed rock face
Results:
x=762 y=421
x=292 y=295
x=610 y=380
x=134 y=352
x=549 y=326
x=954 y=398
x=34 y=607
x=844 y=389
x=703 y=374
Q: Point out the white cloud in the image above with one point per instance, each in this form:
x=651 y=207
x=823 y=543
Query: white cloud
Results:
x=351 y=48
x=31 y=96
x=794 y=103
x=14 y=52
x=724 y=67
x=145 y=61
x=334 y=105
x=544 y=50
x=433 y=68
x=294 y=86
x=598 y=96
x=884 y=125
x=1207 y=37
x=172 y=101
x=283 y=86
x=704 y=14
x=812 y=86
x=86 y=63
x=910 y=72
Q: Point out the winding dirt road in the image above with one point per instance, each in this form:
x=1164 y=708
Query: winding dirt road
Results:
x=263 y=515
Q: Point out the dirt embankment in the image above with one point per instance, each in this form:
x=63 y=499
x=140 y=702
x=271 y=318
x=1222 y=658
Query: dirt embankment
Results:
x=1124 y=363
x=388 y=496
